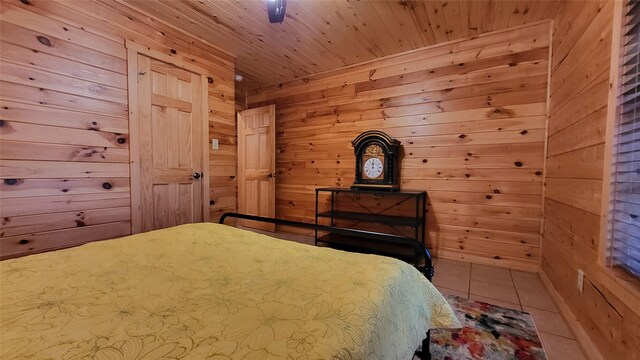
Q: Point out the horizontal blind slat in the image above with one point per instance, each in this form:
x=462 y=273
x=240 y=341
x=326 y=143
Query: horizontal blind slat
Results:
x=624 y=236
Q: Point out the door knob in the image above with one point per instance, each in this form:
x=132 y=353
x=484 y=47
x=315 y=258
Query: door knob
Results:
x=197 y=175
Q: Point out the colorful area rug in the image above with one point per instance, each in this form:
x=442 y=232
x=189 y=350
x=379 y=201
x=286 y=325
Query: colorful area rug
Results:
x=489 y=332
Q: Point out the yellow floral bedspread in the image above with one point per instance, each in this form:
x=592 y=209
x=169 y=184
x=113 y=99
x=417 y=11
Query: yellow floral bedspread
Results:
x=209 y=291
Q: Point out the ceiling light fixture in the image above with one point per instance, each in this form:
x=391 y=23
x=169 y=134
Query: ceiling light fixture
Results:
x=276 y=10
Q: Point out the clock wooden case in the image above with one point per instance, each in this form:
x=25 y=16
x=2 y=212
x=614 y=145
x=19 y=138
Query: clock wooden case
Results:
x=377 y=164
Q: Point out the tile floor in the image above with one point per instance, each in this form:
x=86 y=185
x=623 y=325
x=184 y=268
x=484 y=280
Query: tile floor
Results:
x=508 y=288
x=513 y=289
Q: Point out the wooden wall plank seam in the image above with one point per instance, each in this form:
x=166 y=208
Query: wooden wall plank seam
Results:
x=64 y=139
x=582 y=115
x=472 y=127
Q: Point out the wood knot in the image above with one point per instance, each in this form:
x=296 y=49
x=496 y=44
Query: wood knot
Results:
x=23 y=242
x=44 y=41
x=524 y=132
x=11 y=181
x=2 y=123
x=212 y=202
x=496 y=191
x=122 y=140
x=500 y=113
x=80 y=223
x=467 y=175
x=173 y=51
x=462 y=136
x=538 y=173
x=210 y=79
x=488 y=197
x=26 y=2
x=425 y=161
x=518 y=163
x=107 y=185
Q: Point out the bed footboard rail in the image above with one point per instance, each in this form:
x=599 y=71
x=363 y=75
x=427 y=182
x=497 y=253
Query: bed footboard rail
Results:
x=426 y=269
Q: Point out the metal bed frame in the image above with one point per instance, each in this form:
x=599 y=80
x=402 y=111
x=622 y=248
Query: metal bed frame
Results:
x=427 y=269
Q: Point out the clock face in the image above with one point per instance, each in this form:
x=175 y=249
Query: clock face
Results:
x=373 y=168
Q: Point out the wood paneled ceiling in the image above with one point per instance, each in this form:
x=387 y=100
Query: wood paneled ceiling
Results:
x=322 y=35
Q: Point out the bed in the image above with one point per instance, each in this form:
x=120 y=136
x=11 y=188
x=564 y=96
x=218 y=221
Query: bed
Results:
x=211 y=291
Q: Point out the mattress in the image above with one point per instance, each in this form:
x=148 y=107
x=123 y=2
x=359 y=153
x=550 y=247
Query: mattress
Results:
x=210 y=291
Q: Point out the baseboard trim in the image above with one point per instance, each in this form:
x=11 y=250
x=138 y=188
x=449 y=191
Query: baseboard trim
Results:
x=588 y=347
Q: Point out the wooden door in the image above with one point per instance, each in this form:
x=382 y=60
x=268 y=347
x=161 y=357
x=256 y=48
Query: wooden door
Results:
x=173 y=152
x=257 y=164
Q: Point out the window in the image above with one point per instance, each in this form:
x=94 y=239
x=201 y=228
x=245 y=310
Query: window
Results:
x=625 y=219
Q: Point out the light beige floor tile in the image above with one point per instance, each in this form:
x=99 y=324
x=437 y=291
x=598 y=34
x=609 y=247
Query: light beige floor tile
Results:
x=452 y=282
x=494 y=291
x=549 y=322
x=491 y=274
x=453 y=267
x=495 y=302
x=560 y=348
x=524 y=274
x=529 y=283
x=483 y=267
x=462 y=294
x=537 y=299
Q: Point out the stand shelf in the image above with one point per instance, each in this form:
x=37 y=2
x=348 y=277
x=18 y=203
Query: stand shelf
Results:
x=374 y=218
x=398 y=212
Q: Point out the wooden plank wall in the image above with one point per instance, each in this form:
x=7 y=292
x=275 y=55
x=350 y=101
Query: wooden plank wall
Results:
x=579 y=91
x=64 y=149
x=471 y=117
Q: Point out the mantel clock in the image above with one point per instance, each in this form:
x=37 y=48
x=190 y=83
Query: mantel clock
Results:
x=377 y=164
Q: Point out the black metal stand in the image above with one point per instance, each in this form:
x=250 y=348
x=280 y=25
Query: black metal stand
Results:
x=400 y=212
x=427 y=269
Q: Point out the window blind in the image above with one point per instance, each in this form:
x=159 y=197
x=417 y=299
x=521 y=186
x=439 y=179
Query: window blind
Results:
x=625 y=219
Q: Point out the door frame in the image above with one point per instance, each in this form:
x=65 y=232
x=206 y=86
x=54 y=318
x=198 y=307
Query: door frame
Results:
x=133 y=50
x=272 y=140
